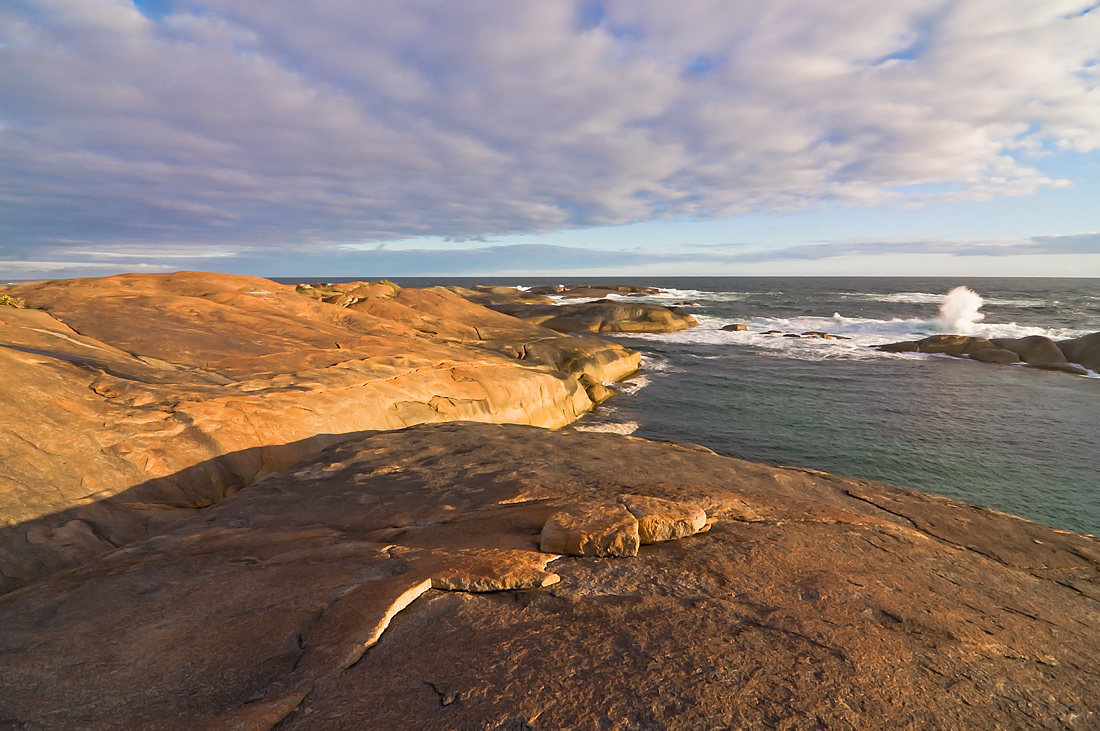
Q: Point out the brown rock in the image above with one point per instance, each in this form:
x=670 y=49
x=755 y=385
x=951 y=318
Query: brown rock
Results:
x=663 y=520
x=735 y=327
x=481 y=570
x=1084 y=351
x=187 y=387
x=843 y=604
x=1040 y=352
x=995 y=355
x=591 y=529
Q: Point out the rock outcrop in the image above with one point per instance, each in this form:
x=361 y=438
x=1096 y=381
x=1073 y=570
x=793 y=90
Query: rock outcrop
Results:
x=396 y=582
x=187 y=387
x=603 y=315
x=1035 y=351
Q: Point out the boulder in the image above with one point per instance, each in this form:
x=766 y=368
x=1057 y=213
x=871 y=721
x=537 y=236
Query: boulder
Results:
x=1039 y=352
x=995 y=355
x=1084 y=351
x=664 y=520
x=591 y=529
x=735 y=327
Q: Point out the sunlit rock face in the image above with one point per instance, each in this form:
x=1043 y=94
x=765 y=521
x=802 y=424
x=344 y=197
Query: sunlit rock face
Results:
x=180 y=389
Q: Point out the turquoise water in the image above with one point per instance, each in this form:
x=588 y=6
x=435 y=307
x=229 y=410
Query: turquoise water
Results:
x=1012 y=438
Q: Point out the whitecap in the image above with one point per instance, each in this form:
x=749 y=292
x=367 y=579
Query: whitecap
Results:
x=627 y=427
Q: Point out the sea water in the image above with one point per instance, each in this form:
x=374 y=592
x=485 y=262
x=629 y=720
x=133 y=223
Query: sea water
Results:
x=1012 y=438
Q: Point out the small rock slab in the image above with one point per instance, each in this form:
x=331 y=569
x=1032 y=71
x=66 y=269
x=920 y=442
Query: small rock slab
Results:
x=735 y=327
x=591 y=529
x=664 y=520
x=483 y=570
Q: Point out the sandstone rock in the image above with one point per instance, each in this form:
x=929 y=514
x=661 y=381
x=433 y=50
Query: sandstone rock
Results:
x=735 y=327
x=823 y=335
x=663 y=520
x=596 y=529
x=186 y=387
x=1039 y=352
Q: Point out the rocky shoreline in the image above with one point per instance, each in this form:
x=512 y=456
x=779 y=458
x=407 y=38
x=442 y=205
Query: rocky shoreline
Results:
x=415 y=538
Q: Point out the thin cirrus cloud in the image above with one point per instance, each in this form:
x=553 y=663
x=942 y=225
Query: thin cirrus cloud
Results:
x=288 y=125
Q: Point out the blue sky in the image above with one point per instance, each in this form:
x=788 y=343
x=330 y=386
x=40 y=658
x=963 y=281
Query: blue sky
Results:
x=571 y=137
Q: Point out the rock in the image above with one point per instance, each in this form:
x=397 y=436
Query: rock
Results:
x=995 y=355
x=735 y=327
x=823 y=335
x=187 y=387
x=481 y=570
x=1039 y=352
x=773 y=332
x=663 y=520
x=594 y=290
x=815 y=601
x=602 y=316
x=791 y=335
x=591 y=529
x=1084 y=351
x=595 y=390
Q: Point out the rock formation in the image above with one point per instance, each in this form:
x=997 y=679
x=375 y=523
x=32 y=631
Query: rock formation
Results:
x=396 y=582
x=603 y=315
x=187 y=387
x=1036 y=351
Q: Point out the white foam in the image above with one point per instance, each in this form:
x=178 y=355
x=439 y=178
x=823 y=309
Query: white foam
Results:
x=959 y=311
x=628 y=427
x=634 y=384
x=864 y=333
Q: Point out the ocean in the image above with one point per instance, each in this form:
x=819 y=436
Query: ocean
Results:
x=1011 y=438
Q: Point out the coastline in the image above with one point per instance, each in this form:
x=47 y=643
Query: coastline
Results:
x=812 y=597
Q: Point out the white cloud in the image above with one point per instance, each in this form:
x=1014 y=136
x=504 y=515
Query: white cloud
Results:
x=280 y=122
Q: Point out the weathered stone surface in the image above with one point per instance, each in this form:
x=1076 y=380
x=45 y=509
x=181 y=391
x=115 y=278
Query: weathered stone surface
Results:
x=735 y=327
x=815 y=601
x=664 y=520
x=481 y=570
x=183 y=388
x=1084 y=351
x=591 y=529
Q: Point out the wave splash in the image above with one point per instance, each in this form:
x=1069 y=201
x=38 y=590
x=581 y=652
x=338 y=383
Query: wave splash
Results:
x=959 y=312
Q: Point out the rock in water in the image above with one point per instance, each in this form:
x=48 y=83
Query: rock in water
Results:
x=1084 y=351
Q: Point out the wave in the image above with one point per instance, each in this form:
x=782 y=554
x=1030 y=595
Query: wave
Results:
x=932 y=298
x=627 y=427
x=863 y=334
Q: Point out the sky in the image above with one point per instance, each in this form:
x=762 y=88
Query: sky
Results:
x=560 y=137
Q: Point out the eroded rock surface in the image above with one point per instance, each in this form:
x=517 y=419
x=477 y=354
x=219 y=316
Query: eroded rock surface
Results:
x=814 y=601
x=180 y=389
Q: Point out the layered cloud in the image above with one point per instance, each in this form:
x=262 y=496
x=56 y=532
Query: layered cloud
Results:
x=290 y=124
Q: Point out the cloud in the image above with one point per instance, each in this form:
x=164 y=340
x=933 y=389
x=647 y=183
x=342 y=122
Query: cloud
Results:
x=288 y=125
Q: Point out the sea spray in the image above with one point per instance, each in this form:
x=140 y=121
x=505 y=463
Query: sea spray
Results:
x=959 y=311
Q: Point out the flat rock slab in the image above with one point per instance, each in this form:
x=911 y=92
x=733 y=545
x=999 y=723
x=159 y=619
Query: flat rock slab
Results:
x=815 y=601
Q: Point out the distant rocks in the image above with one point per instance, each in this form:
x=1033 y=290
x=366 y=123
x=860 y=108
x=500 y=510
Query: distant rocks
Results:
x=810 y=334
x=600 y=316
x=1068 y=356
